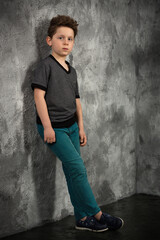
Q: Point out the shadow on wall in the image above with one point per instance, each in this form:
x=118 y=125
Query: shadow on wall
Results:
x=147 y=61
x=43 y=161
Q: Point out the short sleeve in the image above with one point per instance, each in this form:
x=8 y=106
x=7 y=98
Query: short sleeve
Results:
x=77 y=88
x=41 y=76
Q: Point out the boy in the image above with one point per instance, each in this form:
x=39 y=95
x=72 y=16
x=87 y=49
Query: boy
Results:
x=60 y=123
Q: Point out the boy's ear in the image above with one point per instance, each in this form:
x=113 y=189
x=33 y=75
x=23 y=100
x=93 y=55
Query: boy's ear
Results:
x=48 y=40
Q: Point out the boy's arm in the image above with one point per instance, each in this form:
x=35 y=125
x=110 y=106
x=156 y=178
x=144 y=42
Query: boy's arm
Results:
x=41 y=106
x=83 y=138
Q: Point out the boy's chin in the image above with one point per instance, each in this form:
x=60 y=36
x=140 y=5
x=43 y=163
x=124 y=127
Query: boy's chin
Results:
x=64 y=54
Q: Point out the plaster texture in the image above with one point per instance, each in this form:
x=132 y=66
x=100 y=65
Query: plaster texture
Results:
x=148 y=101
x=33 y=189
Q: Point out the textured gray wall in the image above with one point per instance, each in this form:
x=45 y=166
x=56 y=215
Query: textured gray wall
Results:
x=147 y=56
x=33 y=190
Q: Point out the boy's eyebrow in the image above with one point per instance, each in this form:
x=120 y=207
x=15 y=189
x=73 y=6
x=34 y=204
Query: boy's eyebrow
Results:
x=64 y=35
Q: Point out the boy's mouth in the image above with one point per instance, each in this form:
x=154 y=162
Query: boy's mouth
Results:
x=65 y=49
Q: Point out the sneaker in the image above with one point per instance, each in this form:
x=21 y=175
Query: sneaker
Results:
x=113 y=223
x=91 y=224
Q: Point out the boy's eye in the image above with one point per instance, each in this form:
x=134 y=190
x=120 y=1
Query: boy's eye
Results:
x=70 y=39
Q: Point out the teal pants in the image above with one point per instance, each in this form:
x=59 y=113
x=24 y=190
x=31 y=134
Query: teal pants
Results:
x=67 y=149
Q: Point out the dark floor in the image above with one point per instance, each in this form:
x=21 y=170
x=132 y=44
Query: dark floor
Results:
x=141 y=214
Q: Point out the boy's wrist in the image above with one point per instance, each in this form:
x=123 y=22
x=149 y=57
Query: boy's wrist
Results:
x=47 y=126
x=81 y=127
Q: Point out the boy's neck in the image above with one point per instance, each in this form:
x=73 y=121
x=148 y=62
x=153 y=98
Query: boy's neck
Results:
x=59 y=58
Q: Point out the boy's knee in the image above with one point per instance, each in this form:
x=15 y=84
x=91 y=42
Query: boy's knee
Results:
x=77 y=169
x=79 y=172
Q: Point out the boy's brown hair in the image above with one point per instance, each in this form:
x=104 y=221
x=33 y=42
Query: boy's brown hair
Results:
x=62 y=20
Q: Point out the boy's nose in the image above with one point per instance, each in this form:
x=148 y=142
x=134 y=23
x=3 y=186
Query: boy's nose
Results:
x=66 y=41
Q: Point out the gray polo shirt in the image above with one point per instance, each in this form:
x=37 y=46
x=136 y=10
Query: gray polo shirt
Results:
x=61 y=88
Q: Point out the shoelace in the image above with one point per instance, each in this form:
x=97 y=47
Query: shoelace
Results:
x=92 y=221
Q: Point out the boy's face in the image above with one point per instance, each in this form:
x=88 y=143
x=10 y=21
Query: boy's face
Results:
x=62 y=41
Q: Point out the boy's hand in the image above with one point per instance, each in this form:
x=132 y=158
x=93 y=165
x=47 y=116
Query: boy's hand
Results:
x=49 y=135
x=83 y=138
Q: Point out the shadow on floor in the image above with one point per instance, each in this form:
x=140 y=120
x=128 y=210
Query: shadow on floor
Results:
x=139 y=212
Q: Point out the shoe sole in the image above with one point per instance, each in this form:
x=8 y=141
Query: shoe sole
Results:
x=92 y=230
x=122 y=222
